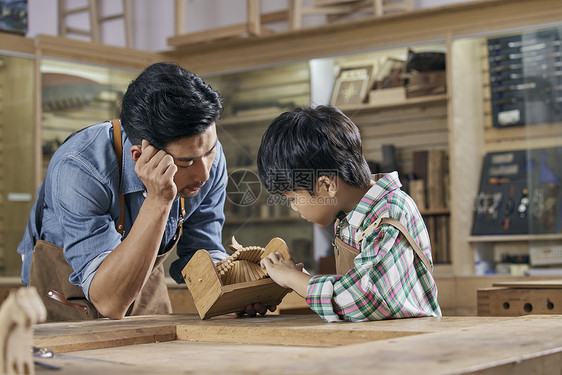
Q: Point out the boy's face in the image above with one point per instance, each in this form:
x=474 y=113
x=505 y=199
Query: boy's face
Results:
x=320 y=208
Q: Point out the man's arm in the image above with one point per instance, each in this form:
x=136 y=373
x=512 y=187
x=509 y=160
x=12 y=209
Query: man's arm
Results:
x=124 y=271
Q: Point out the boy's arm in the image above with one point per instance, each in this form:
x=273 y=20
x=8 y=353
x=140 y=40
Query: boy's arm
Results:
x=286 y=273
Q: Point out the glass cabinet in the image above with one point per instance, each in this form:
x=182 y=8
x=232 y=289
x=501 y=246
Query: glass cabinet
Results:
x=75 y=95
x=516 y=210
x=16 y=155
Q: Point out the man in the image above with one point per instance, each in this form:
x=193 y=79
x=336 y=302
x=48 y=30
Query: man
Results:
x=171 y=155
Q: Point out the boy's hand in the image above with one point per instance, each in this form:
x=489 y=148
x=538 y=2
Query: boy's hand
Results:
x=156 y=170
x=286 y=273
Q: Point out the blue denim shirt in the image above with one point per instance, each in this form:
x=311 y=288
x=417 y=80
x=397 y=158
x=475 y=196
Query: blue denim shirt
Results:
x=81 y=207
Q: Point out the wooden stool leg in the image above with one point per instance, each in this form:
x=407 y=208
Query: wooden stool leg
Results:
x=295 y=14
x=254 y=17
x=95 y=31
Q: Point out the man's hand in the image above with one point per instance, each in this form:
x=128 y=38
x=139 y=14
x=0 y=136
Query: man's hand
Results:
x=256 y=308
x=156 y=170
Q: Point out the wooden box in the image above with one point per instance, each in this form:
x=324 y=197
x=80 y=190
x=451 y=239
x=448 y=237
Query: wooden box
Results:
x=426 y=83
x=392 y=95
x=212 y=298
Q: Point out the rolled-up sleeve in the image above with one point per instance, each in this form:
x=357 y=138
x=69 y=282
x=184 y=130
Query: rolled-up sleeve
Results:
x=82 y=203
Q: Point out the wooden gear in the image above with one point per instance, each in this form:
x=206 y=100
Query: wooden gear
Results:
x=235 y=282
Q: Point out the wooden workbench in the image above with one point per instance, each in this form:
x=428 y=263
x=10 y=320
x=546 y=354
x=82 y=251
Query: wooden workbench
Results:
x=289 y=344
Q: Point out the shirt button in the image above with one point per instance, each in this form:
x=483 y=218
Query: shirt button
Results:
x=144 y=194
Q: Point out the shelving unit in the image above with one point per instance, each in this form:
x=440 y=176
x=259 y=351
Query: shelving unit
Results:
x=491 y=248
x=516 y=238
x=16 y=178
x=413 y=127
x=430 y=99
x=461 y=27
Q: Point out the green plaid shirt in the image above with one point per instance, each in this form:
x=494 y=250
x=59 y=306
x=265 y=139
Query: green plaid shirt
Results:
x=387 y=280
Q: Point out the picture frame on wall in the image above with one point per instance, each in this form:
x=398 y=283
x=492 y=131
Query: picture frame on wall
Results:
x=351 y=86
x=13 y=16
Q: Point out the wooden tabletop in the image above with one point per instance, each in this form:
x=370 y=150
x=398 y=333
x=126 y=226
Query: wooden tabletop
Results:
x=284 y=344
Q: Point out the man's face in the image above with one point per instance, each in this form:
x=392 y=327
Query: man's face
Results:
x=194 y=158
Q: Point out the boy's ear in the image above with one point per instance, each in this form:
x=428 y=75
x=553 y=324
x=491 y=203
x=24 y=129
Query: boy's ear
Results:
x=136 y=152
x=327 y=184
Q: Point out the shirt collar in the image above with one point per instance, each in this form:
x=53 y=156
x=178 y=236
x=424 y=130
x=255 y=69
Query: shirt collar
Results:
x=130 y=182
x=384 y=184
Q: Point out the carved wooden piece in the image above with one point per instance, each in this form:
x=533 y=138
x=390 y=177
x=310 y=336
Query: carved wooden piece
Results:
x=18 y=313
x=243 y=265
x=214 y=294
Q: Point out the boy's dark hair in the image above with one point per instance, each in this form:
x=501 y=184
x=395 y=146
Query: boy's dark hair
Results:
x=321 y=140
x=166 y=103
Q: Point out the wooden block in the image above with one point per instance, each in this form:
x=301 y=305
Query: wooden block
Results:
x=387 y=96
x=442 y=224
x=18 y=313
x=417 y=192
x=435 y=177
x=420 y=164
x=505 y=301
x=198 y=275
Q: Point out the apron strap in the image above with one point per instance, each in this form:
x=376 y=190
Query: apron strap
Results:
x=118 y=145
x=398 y=225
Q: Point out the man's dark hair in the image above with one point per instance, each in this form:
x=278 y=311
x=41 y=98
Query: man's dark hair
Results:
x=320 y=140
x=166 y=103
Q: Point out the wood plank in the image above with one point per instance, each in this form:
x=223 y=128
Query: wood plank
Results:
x=407 y=127
x=95 y=53
x=16 y=43
x=105 y=333
x=209 y=35
x=261 y=335
x=524 y=132
x=534 y=284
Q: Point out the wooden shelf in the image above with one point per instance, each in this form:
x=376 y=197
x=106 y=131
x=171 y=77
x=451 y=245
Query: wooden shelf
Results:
x=516 y=237
x=435 y=211
x=430 y=99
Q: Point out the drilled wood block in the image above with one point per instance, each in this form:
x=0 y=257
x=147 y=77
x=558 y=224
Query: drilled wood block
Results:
x=506 y=301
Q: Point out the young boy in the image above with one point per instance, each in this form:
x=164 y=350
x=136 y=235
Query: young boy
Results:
x=383 y=265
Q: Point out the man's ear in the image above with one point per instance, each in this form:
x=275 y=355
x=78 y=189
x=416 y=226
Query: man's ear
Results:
x=327 y=184
x=136 y=152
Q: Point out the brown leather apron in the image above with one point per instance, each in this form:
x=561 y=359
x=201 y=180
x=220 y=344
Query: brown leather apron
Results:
x=64 y=301
x=346 y=254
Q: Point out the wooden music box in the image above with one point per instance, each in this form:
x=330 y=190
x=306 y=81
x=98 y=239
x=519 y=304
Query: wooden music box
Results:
x=235 y=282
